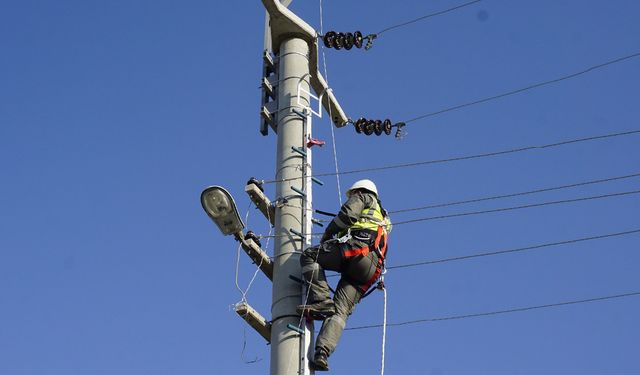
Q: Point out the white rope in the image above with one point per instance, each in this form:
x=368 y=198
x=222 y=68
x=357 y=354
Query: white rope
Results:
x=244 y=292
x=333 y=135
x=384 y=327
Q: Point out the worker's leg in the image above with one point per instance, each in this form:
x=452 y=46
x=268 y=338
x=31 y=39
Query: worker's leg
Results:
x=314 y=261
x=346 y=297
x=357 y=272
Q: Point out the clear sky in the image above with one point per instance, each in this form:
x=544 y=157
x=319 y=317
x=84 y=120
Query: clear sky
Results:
x=115 y=115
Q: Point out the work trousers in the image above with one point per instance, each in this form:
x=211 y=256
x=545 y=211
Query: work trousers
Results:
x=356 y=273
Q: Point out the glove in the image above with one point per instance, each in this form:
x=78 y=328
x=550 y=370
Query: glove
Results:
x=325 y=237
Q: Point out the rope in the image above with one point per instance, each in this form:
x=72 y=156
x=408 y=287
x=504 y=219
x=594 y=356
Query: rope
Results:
x=333 y=135
x=384 y=326
x=244 y=292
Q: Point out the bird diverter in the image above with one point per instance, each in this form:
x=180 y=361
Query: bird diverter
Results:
x=221 y=208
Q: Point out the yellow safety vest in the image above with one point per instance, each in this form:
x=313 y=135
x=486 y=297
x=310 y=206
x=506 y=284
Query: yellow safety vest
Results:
x=371 y=218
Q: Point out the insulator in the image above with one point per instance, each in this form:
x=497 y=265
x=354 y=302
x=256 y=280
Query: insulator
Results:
x=359 y=125
x=252 y=236
x=399 y=132
x=339 y=42
x=348 y=41
x=378 y=127
x=370 y=39
x=357 y=39
x=386 y=126
x=256 y=182
x=370 y=127
x=329 y=39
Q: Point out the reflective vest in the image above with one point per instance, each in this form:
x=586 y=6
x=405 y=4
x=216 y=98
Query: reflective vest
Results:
x=371 y=218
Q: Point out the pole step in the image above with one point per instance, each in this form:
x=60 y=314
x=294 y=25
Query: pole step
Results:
x=296 y=329
x=299 y=191
x=299 y=151
x=317 y=181
x=296 y=233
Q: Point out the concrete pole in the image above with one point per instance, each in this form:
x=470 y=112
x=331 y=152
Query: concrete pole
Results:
x=287 y=346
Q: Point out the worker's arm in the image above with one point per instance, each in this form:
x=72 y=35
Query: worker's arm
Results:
x=349 y=214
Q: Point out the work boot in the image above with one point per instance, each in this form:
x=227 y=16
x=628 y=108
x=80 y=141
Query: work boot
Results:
x=320 y=362
x=323 y=309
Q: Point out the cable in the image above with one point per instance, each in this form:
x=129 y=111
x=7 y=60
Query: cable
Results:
x=498 y=312
x=503 y=209
x=517 y=207
x=515 y=250
x=427 y=16
x=455 y=203
x=517 y=91
x=468 y=157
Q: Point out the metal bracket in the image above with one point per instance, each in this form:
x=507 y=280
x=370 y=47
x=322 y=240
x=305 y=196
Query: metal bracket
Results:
x=254 y=319
x=302 y=90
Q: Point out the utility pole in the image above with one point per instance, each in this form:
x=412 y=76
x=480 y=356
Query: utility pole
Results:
x=290 y=74
x=294 y=44
x=286 y=349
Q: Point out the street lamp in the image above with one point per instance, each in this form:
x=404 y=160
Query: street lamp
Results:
x=221 y=208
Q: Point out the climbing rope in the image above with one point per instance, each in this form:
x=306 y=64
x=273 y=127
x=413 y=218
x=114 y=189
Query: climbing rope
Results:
x=384 y=322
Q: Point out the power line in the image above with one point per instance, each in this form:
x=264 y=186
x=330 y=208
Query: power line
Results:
x=471 y=213
x=515 y=250
x=455 y=203
x=499 y=312
x=427 y=16
x=503 y=209
x=533 y=86
x=467 y=157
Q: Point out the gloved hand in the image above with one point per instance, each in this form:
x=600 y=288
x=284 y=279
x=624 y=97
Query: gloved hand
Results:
x=325 y=237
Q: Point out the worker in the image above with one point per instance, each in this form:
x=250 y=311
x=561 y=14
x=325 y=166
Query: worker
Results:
x=354 y=244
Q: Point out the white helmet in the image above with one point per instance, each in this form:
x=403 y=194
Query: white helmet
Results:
x=364 y=184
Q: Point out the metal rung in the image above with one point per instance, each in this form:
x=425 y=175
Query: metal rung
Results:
x=317 y=181
x=296 y=233
x=299 y=150
x=299 y=191
x=317 y=222
x=296 y=329
x=296 y=279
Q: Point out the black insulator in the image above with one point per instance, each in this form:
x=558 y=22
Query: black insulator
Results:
x=255 y=181
x=348 y=41
x=357 y=39
x=378 y=127
x=370 y=127
x=252 y=236
x=329 y=39
x=386 y=126
x=359 y=125
x=339 y=42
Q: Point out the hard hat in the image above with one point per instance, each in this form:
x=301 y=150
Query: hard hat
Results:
x=364 y=184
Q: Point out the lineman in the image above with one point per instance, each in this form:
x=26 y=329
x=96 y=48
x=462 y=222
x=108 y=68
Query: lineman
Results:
x=354 y=244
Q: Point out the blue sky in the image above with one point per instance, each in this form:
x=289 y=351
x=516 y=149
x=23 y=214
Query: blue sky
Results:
x=115 y=115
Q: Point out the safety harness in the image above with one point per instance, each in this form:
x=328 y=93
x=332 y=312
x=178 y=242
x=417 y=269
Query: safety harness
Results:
x=380 y=248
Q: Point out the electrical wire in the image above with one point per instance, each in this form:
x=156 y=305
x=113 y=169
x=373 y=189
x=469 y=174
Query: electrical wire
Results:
x=503 y=209
x=515 y=250
x=468 y=157
x=455 y=203
x=426 y=16
x=499 y=312
x=523 y=89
